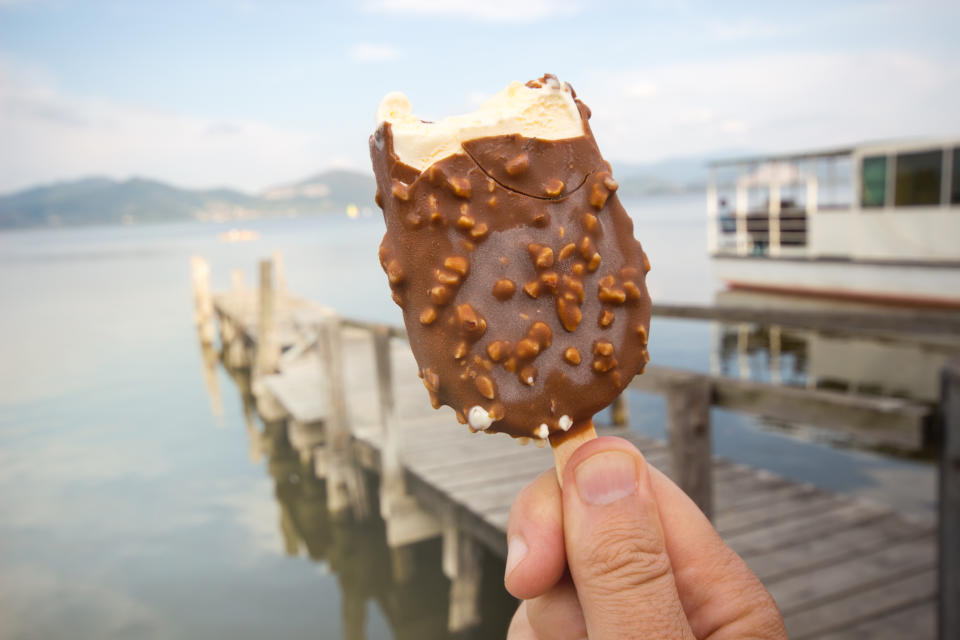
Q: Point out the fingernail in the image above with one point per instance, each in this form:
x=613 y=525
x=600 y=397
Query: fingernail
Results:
x=606 y=477
x=516 y=550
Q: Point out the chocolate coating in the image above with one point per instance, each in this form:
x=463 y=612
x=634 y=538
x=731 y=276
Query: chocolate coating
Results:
x=522 y=287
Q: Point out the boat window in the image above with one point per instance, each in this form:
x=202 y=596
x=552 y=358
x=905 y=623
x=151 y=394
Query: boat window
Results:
x=955 y=189
x=874 y=181
x=918 y=178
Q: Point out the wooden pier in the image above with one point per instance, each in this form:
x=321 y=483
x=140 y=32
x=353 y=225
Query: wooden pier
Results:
x=354 y=408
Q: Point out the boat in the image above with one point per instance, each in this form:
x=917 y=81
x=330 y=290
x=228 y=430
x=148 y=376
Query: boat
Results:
x=874 y=222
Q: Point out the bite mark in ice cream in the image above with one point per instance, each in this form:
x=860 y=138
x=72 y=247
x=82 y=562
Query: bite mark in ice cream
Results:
x=544 y=110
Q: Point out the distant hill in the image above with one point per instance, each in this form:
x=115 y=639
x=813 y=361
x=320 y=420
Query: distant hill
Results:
x=137 y=200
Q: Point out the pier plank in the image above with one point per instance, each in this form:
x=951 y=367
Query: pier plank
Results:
x=862 y=606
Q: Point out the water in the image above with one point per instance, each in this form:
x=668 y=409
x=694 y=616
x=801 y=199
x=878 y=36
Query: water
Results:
x=131 y=506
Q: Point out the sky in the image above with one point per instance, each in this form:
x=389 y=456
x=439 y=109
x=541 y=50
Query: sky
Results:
x=249 y=94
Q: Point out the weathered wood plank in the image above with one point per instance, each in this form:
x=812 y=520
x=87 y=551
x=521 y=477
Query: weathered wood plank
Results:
x=862 y=606
x=914 y=622
x=793 y=531
x=802 y=503
x=688 y=429
x=889 y=564
x=860 y=539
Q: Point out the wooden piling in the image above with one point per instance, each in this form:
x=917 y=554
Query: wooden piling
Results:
x=949 y=623
x=268 y=351
x=346 y=492
x=202 y=299
x=406 y=521
x=461 y=564
x=688 y=431
x=620 y=410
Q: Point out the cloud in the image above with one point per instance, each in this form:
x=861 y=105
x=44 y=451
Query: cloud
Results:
x=49 y=134
x=777 y=102
x=370 y=52
x=487 y=10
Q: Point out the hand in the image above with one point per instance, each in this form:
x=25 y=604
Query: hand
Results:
x=622 y=552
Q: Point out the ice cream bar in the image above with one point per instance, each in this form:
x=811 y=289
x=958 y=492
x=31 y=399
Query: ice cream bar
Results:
x=522 y=286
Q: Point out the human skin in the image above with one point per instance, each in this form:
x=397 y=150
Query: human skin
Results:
x=621 y=552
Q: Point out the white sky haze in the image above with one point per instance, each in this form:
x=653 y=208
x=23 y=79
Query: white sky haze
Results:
x=248 y=94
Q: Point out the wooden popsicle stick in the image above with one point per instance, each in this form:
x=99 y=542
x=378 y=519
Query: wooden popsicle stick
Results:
x=565 y=443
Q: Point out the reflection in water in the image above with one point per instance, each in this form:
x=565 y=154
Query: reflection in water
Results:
x=211 y=358
x=407 y=585
x=900 y=366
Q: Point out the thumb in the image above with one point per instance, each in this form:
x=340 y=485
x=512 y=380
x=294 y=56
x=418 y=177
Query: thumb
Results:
x=615 y=546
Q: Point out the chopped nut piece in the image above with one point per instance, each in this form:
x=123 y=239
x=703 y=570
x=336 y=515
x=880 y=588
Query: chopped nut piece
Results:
x=549 y=280
x=632 y=291
x=527 y=349
x=480 y=231
x=566 y=251
x=400 y=191
x=431 y=380
x=646 y=263
x=565 y=422
x=471 y=323
x=428 y=316
x=590 y=222
x=499 y=349
x=540 y=331
x=577 y=269
x=553 y=188
x=458 y=264
x=541 y=255
x=397 y=298
x=461 y=351
x=569 y=314
x=606 y=282
x=466 y=222
x=574 y=286
x=603 y=347
x=571 y=355
x=440 y=295
x=612 y=296
x=518 y=164
x=492 y=202
x=586 y=248
x=610 y=183
x=642 y=332
x=598 y=196
x=543 y=431
x=532 y=289
x=446 y=277
x=394 y=273
x=594 y=263
x=541 y=219
x=378 y=199
x=528 y=375
x=606 y=318
x=485 y=387
x=460 y=186
x=503 y=289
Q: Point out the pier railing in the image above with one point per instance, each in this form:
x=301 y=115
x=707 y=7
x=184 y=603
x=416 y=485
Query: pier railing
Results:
x=690 y=395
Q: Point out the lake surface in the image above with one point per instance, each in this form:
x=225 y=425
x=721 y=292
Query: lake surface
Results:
x=134 y=506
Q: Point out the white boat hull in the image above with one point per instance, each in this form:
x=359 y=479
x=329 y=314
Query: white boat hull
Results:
x=911 y=283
